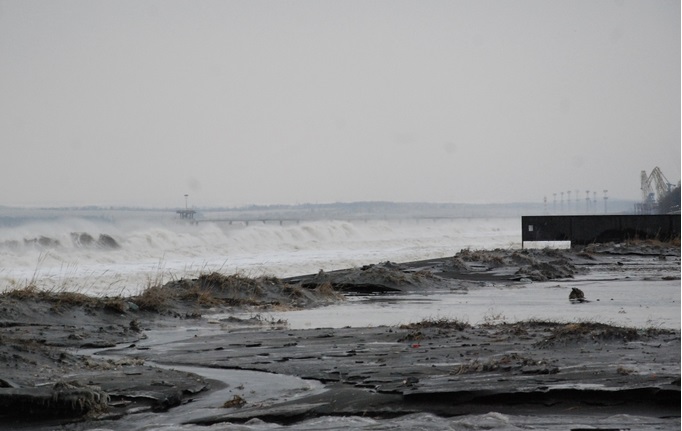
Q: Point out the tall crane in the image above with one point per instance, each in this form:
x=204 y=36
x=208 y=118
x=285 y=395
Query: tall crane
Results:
x=654 y=186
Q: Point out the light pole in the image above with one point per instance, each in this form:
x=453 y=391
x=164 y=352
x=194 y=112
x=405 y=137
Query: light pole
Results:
x=186 y=195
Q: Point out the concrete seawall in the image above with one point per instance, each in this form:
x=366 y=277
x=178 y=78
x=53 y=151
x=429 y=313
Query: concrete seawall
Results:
x=586 y=229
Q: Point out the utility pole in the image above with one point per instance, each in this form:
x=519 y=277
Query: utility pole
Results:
x=605 y=198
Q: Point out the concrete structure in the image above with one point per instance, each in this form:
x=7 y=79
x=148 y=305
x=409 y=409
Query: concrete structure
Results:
x=187 y=215
x=586 y=229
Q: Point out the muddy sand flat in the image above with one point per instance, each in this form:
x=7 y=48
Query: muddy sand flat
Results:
x=81 y=362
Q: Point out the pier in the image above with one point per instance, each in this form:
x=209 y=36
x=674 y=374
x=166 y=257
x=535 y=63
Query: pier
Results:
x=248 y=220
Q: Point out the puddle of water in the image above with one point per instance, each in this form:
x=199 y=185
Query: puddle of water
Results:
x=616 y=302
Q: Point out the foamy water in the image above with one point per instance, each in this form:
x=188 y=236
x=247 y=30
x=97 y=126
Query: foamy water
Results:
x=159 y=250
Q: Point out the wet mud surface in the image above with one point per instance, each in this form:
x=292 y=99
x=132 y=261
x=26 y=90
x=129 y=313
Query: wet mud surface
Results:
x=77 y=362
x=447 y=368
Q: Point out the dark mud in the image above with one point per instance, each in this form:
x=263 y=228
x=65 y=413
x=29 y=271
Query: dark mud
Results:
x=50 y=373
x=450 y=369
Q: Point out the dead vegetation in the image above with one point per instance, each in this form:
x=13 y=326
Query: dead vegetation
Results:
x=588 y=332
x=490 y=258
x=218 y=290
x=643 y=247
x=187 y=296
x=437 y=323
x=62 y=299
x=234 y=402
x=153 y=298
x=430 y=328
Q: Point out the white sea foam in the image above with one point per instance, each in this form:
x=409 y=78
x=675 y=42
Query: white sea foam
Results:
x=157 y=250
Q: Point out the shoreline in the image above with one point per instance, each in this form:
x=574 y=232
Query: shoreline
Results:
x=534 y=367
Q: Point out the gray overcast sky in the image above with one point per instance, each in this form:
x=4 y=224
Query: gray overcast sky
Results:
x=239 y=102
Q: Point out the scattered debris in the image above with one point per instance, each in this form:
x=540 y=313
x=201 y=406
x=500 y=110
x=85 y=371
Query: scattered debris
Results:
x=236 y=402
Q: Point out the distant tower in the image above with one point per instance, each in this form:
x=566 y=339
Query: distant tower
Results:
x=545 y=200
x=587 y=201
x=569 y=200
x=605 y=198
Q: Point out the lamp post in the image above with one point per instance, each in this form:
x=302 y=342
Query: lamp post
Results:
x=186 y=195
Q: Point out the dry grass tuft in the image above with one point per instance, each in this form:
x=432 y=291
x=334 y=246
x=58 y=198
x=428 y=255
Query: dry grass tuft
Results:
x=482 y=256
x=235 y=402
x=66 y=299
x=23 y=293
x=153 y=298
x=327 y=290
x=588 y=331
x=235 y=283
x=440 y=323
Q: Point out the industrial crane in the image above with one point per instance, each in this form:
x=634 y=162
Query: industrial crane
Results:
x=654 y=187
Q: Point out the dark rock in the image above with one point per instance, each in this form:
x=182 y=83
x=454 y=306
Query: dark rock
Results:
x=576 y=295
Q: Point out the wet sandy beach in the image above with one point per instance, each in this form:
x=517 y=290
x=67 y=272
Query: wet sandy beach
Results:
x=219 y=351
